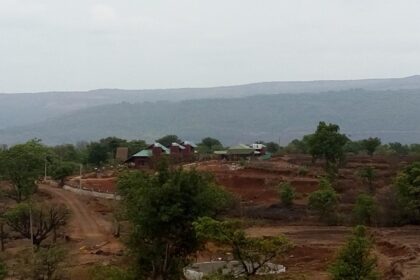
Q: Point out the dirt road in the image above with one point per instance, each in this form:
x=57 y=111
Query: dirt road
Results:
x=85 y=224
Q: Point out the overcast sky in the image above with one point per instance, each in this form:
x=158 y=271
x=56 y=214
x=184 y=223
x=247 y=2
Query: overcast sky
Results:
x=133 y=44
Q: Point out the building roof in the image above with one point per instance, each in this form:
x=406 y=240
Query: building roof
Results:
x=240 y=149
x=158 y=145
x=143 y=153
x=188 y=143
x=220 y=152
x=174 y=144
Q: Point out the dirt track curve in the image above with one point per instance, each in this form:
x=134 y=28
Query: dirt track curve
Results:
x=85 y=224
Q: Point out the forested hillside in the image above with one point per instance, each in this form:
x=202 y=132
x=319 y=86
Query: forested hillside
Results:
x=29 y=108
x=390 y=115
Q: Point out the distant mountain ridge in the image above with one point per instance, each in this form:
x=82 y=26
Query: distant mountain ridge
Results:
x=29 y=108
x=392 y=115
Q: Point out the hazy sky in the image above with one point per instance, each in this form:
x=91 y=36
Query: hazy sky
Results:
x=88 y=44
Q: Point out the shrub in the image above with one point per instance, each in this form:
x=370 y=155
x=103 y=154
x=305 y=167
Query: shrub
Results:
x=407 y=187
x=287 y=194
x=354 y=260
x=365 y=209
x=324 y=201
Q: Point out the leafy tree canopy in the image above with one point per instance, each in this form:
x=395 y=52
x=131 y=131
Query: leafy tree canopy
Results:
x=328 y=143
x=97 y=153
x=354 y=260
x=371 y=144
x=62 y=170
x=324 y=201
x=365 y=209
x=407 y=185
x=272 y=147
x=162 y=208
x=22 y=165
x=209 y=145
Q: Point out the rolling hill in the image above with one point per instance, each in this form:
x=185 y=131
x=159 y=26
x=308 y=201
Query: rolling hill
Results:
x=29 y=108
x=392 y=115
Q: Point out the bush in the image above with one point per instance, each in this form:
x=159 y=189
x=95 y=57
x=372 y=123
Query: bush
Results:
x=324 y=201
x=354 y=260
x=407 y=187
x=365 y=209
x=47 y=263
x=287 y=194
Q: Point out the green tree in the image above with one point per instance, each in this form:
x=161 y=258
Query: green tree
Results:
x=97 y=153
x=62 y=170
x=399 y=148
x=299 y=146
x=253 y=253
x=111 y=144
x=23 y=165
x=46 y=219
x=48 y=261
x=287 y=194
x=354 y=147
x=162 y=208
x=324 y=201
x=168 y=140
x=328 y=143
x=365 y=209
x=272 y=147
x=368 y=175
x=208 y=145
x=354 y=260
x=371 y=144
x=135 y=146
x=67 y=152
x=407 y=186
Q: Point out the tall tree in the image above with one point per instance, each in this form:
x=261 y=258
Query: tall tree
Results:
x=97 y=153
x=63 y=169
x=135 y=146
x=355 y=261
x=22 y=165
x=272 y=147
x=399 y=148
x=67 y=152
x=371 y=144
x=328 y=143
x=209 y=145
x=162 y=208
